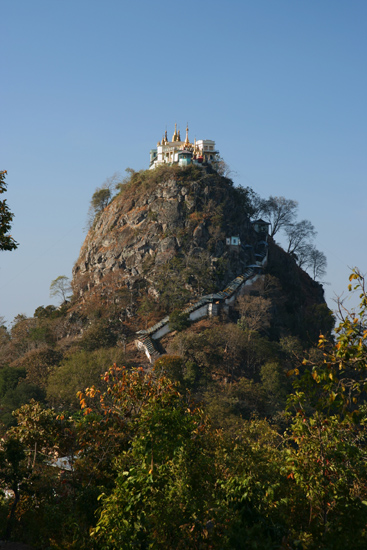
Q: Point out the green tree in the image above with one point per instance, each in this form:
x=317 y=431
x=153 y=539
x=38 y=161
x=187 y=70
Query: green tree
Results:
x=98 y=335
x=171 y=366
x=164 y=495
x=256 y=490
x=328 y=458
x=38 y=363
x=80 y=370
x=102 y=197
x=6 y=217
x=9 y=378
x=179 y=320
x=46 y=498
x=13 y=471
x=14 y=392
x=17 y=396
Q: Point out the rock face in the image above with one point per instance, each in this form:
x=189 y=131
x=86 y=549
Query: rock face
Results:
x=161 y=215
x=163 y=242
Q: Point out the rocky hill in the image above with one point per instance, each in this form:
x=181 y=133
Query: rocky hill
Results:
x=164 y=235
x=160 y=215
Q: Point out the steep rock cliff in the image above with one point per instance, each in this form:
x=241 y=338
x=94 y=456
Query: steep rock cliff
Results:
x=160 y=215
x=164 y=237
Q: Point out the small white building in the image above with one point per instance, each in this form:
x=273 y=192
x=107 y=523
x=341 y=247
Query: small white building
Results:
x=182 y=153
x=233 y=241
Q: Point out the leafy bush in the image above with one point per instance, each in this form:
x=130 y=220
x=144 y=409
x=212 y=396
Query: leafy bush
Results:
x=79 y=371
x=179 y=320
x=98 y=335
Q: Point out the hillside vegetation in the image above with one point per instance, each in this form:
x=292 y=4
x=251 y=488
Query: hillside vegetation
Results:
x=247 y=432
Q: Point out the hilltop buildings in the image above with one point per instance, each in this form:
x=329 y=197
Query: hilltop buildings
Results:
x=181 y=152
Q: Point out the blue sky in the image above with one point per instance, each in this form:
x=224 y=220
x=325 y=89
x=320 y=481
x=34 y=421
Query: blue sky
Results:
x=88 y=88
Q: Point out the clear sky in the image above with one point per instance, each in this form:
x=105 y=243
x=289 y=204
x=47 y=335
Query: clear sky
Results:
x=89 y=86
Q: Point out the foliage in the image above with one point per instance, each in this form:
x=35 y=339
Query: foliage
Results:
x=329 y=460
x=102 y=198
x=38 y=365
x=6 y=217
x=12 y=473
x=244 y=198
x=46 y=312
x=328 y=464
x=171 y=366
x=152 y=469
x=164 y=488
x=98 y=335
x=42 y=487
x=80 y=370
x=9 y=379
x=197 y=452
x=14 y=392
x=184 y=276
x=172 y=281
x=256 y=489
x=255 y=312
x=179 y=321
x=225 y=351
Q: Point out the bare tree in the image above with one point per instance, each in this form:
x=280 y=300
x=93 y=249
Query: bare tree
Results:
x=281 y=215
x=60 y=287
x=316 y=262
x=255 y=312
x=299 y=235
x=256 y=203
x=222 y=167
x=303 y=254
x=279 y=212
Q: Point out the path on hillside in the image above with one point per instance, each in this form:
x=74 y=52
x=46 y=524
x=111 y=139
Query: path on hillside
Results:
x=147 y=338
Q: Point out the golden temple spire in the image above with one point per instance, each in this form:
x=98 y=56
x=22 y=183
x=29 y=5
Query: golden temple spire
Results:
x=187 y=135
x=175 y=136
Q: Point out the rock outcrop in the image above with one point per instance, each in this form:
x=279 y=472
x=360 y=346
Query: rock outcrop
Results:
x=167 y=236
x=160 y=215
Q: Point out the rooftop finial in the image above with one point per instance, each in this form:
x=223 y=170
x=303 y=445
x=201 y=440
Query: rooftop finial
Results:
x=174 y=137
x=187 y=135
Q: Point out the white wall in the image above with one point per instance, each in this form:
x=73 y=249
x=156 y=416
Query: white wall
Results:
x=161 y=332
x=199 y=313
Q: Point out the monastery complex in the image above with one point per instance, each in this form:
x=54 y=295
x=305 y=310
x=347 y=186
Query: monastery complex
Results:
x=182 y=153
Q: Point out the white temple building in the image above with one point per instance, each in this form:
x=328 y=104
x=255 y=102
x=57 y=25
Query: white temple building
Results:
x=182 y=153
